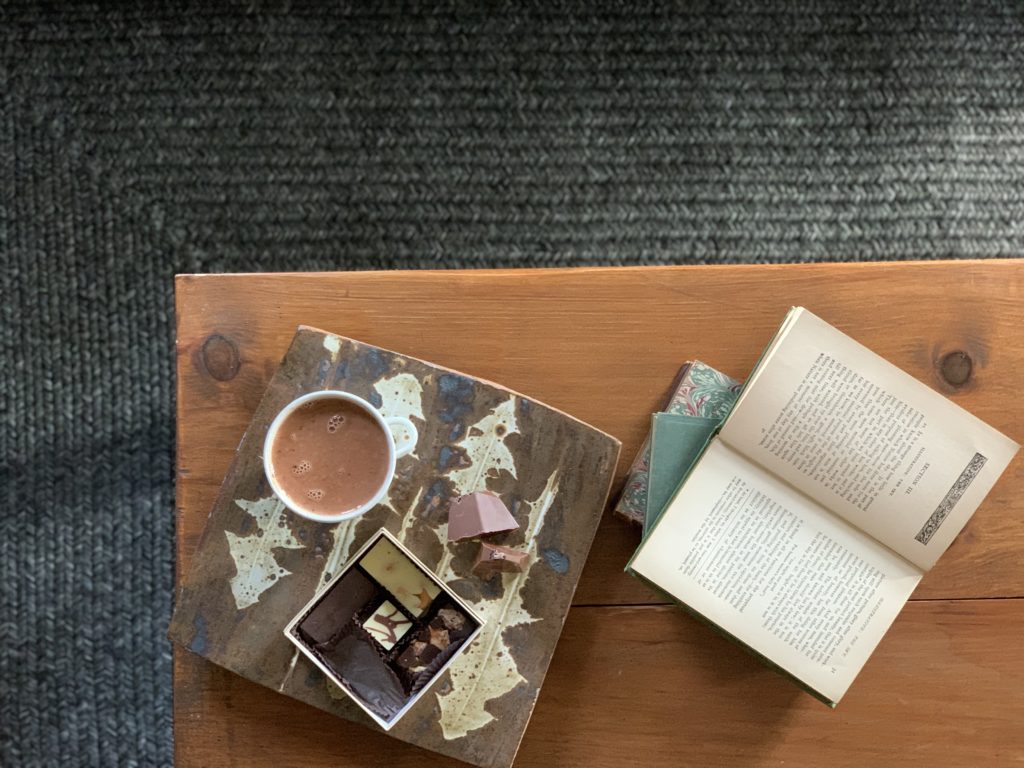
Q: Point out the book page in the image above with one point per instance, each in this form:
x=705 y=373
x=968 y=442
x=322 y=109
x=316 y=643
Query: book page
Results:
x=866 y=440
x=776 y=570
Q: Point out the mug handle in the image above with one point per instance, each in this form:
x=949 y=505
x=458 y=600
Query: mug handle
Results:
x=409 y=434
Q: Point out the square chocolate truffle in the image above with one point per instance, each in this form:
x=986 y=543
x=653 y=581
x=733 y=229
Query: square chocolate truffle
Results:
x=358 y=663
x=387 y=625
x=338 y=607
x=400 y=576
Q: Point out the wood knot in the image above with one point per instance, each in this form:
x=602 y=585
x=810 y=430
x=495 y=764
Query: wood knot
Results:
x=220 y=357
x=955 y=368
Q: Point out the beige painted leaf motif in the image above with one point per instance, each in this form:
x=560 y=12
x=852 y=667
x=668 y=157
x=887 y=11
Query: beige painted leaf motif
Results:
x=256 y=568
x=332 y=344
x=487 y=670
x=400 y=395
x=485 y=448
x=410 y=520
x=486 y=452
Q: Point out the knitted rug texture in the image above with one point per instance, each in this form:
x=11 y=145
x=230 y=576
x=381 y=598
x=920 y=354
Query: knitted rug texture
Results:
x=136 y=143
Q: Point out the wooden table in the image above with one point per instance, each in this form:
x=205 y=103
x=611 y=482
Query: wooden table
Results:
x=635 y=681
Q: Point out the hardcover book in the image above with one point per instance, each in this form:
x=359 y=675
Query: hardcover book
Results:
x=698 y=390
x=677 y=441
x=258 y=565
x=832 y=487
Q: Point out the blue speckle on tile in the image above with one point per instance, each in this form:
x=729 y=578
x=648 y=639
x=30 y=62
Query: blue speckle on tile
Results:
x=198 y=644
x=455 y=433
x=456 y=395
x=558 y=561
x=321 y=372
x=362 y=363
x=375 y=399
x=373 y=363
x=491 y=588
x=314 y=677
x=433 y=497
x=444 y=458
x=340 y=372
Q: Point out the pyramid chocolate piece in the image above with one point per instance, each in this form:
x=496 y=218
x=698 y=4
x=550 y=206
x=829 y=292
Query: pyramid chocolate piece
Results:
x=478 y=514
x=338 y=606
x=400 y=576
x=492 y=558
x=356 y=661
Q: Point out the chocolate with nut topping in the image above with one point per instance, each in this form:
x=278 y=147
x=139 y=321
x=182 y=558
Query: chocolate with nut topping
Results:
x=449 y=627
x=417 y=656
x=493 y=558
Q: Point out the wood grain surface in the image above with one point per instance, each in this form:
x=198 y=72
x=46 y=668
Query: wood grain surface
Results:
x=634 y=682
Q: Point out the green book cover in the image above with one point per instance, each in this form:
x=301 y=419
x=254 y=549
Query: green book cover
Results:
x=698 y=390
x=676 y=442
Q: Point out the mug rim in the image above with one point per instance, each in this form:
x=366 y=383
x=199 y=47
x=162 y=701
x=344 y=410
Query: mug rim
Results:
x=285 y=498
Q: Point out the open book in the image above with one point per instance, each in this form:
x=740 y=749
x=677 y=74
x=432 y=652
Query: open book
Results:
x=834 y=484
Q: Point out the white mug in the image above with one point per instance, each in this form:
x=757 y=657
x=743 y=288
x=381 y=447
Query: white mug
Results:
x=396 y=448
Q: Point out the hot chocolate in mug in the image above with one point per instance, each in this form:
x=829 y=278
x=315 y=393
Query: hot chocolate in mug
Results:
x=330 y=455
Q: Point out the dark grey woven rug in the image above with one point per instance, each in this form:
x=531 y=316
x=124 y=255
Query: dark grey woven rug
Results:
x=140 y=143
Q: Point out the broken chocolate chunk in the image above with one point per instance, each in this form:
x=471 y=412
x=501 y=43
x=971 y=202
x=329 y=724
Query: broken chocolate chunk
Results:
x=452 y=619
x=455 y=622
x=439 y=637
x=449 y=627
x=493 y=559
x=424 y=678
x=417 y=656
x=478 y=514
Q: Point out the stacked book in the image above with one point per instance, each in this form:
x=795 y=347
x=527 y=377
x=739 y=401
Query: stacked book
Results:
x=798 y=512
